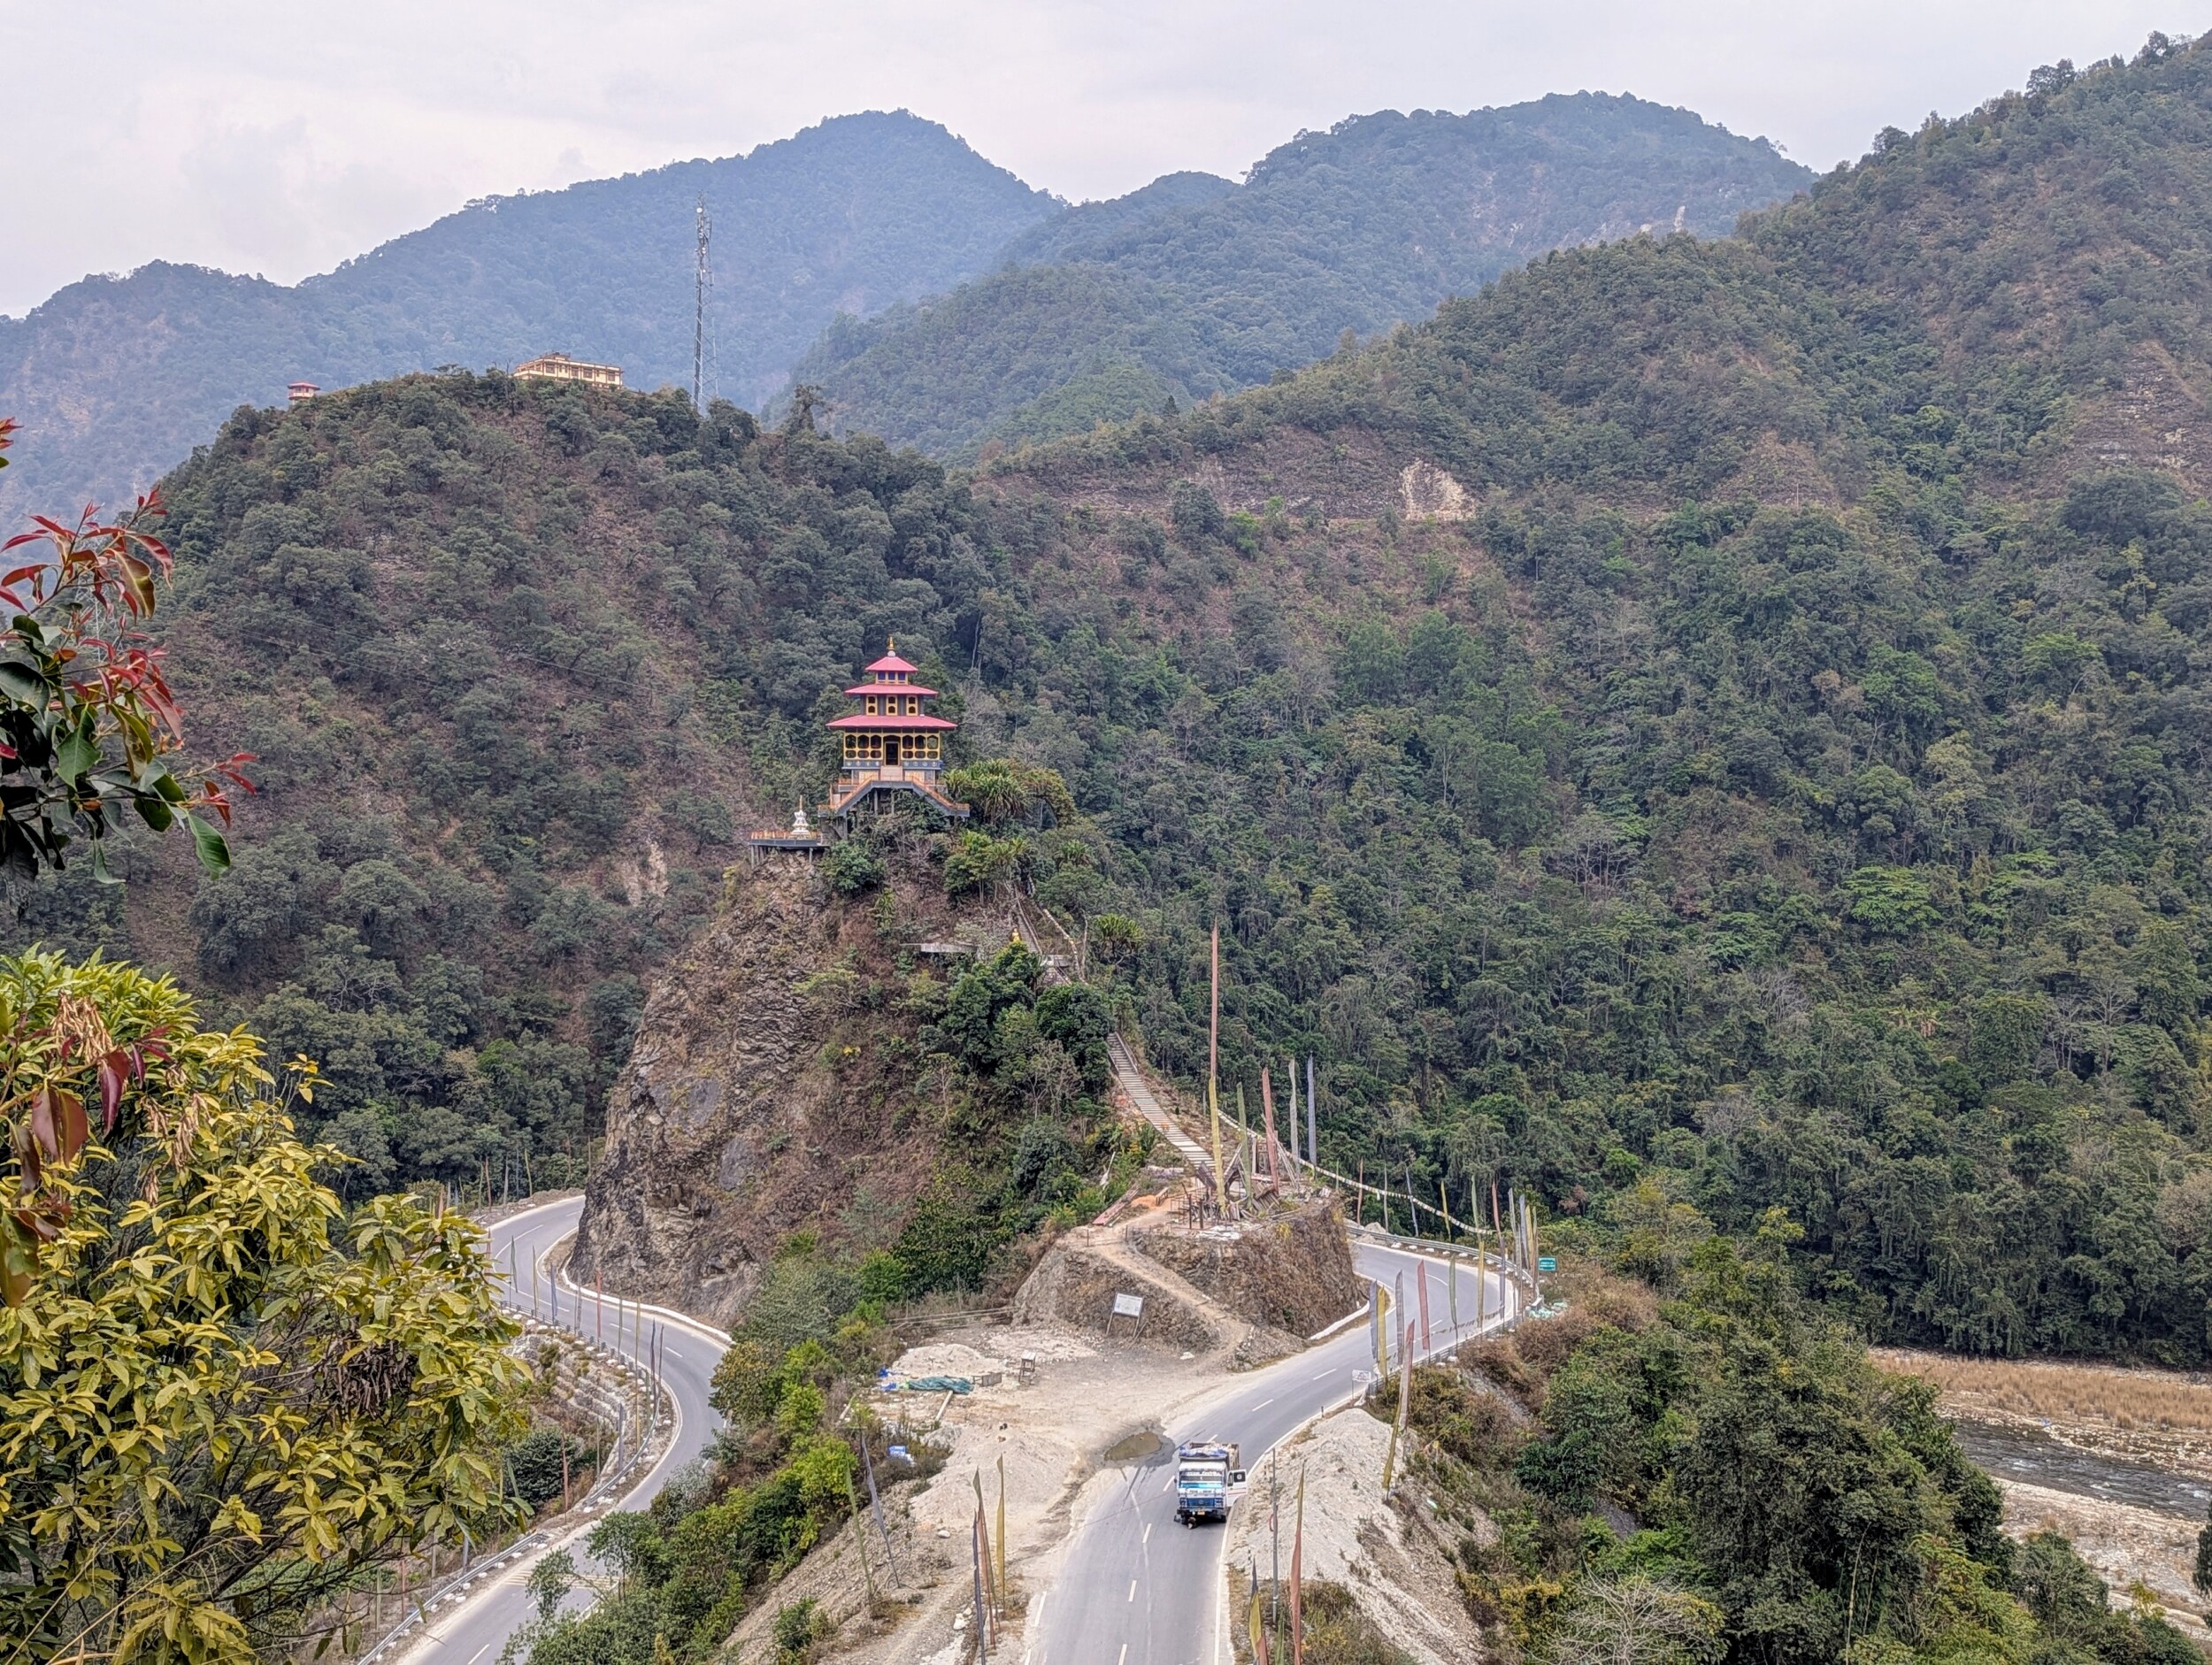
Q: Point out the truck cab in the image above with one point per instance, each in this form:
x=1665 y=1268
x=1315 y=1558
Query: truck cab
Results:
x=1205 y=1473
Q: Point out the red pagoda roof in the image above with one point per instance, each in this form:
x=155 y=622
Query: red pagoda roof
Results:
x=864 y=722
x=891 y=661
x=890 y=688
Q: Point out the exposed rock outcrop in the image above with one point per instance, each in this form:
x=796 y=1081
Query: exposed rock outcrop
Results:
x=737 y=1120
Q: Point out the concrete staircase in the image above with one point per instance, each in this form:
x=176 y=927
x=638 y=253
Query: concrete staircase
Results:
x=1130 y=1077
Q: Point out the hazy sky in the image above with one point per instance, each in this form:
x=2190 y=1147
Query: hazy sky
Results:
x=280 y=136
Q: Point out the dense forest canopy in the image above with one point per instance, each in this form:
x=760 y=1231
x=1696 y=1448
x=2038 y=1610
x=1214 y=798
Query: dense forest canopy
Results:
x=1773 y=1496
x=1192 y=286
x=1772 y=774
x=500 y=651
x=1785 y=779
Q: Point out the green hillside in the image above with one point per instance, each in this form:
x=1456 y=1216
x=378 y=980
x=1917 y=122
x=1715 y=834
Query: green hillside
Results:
x=1785 y=782
x=117 y=378
x=1700 y=726
x=1193 y=286
x=501 y=650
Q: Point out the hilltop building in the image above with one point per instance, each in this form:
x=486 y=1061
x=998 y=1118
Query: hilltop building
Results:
x=561 y=367
x=891 y=744
x=301 y=392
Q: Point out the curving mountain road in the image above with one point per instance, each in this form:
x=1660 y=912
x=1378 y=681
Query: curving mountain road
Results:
x=1136 y=1588
x=473 y=1628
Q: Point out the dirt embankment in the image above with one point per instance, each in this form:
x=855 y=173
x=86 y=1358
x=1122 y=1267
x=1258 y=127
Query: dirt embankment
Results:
x=1252 y=1291
x=1293 y=1274
x=1082 y=1276
x=1390 y=1553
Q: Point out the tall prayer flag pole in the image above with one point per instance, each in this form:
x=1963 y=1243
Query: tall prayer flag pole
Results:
x=1213 y=1068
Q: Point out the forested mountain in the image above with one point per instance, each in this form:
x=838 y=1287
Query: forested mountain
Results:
x=1193 y=286
x=1701 y=727
x=1774 y=773
x=117 y=378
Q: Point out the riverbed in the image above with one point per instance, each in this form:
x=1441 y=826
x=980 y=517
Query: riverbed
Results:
x=2029 y=1458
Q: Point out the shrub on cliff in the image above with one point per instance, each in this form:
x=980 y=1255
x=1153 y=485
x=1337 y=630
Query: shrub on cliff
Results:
x=852 y=869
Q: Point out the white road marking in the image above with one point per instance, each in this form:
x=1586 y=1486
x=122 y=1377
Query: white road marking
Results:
x=1325 y=1376
x=479 y=1653
x=1132 y=1596
x=1123 y=1654
x=1148 y=1533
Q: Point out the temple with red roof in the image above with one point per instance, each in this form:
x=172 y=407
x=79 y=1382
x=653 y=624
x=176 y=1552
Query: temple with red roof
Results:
x=891 y=742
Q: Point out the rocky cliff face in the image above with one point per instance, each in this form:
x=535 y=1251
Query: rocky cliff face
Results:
x=767 y=1093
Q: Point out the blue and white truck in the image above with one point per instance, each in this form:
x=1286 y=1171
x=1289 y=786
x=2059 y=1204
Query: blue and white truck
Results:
x=1204 y=1472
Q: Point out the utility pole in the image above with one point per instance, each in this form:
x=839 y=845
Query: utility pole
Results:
x=701 y=284
x=1213 y=1067
x=1267 y=1110
x=1313 y=1139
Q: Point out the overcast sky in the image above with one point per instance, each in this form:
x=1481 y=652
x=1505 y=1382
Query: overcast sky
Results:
x=280 y=136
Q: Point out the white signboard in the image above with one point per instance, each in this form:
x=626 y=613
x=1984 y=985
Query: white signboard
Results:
x=1128 y=1306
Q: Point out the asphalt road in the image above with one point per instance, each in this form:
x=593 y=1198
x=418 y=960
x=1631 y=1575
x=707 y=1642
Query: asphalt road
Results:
x=1138 y=1589
x=472 y=1628
x=1135 y=1588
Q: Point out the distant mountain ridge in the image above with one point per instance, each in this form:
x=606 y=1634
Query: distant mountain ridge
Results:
x=115 y=378
x=1195 y=285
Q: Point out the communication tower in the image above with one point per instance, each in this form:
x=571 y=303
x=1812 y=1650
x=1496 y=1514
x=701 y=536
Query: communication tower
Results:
x=703 y=281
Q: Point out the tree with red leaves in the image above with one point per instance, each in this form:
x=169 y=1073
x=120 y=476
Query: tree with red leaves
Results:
x=88 y=727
